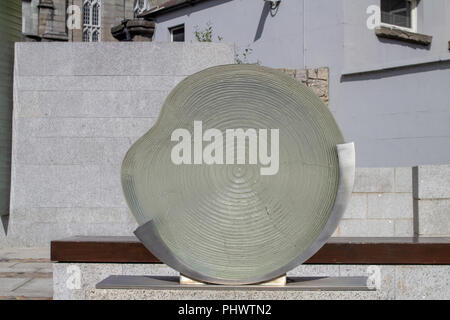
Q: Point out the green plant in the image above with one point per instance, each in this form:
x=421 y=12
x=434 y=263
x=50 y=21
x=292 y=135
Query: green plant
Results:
x=242 y=58
x=205 y=35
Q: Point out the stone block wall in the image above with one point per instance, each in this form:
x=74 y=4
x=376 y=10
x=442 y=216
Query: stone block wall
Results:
x=432 y=200
x=78 y=108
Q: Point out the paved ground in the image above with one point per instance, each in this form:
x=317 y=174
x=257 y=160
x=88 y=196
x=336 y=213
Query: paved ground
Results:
x=25 y=274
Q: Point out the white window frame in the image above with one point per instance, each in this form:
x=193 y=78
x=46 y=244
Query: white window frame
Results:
x=172 y=29
x=413 y=28
x=89 y=27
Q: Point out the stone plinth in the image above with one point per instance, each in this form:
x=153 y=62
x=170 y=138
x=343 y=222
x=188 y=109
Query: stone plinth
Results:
x=121 y=294
x=396 y=282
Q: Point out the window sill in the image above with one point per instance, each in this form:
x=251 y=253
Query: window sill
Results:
x=46 y=4
x=402 y=35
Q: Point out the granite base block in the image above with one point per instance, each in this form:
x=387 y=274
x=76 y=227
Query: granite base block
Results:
x=78 y=281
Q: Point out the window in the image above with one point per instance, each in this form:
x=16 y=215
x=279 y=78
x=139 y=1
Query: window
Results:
x=177 y=34
x=95 y=36
x=91 y=20
x=401 y=14
x=85 y=36
x=86 y=13
x=95 y=10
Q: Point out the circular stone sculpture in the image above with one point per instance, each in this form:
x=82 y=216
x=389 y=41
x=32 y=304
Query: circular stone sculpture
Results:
x=228 y=223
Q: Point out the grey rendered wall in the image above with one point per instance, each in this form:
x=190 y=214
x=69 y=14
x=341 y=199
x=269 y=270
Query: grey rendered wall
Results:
x=10 y=31
x=276 y=41
x=79 y=108
x=397 y=117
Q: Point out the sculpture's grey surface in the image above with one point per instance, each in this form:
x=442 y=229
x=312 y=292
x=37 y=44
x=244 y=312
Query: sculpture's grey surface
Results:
x=227 y=223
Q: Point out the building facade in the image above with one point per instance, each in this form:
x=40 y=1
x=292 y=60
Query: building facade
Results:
x=77 y=20
x=387 y=86
x=389 y=62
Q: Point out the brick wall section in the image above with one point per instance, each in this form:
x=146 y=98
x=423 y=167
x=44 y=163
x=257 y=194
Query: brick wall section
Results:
x=316 y=79
x=381 y=204
x=432 y=200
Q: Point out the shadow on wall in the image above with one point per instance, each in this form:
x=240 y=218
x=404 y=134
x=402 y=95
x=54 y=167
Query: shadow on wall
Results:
x=262 y=21
x=405 y=44
x=397 y=71
x=206 y=5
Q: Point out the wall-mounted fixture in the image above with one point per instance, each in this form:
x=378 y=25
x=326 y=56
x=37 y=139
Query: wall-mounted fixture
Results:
x=273 y=3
